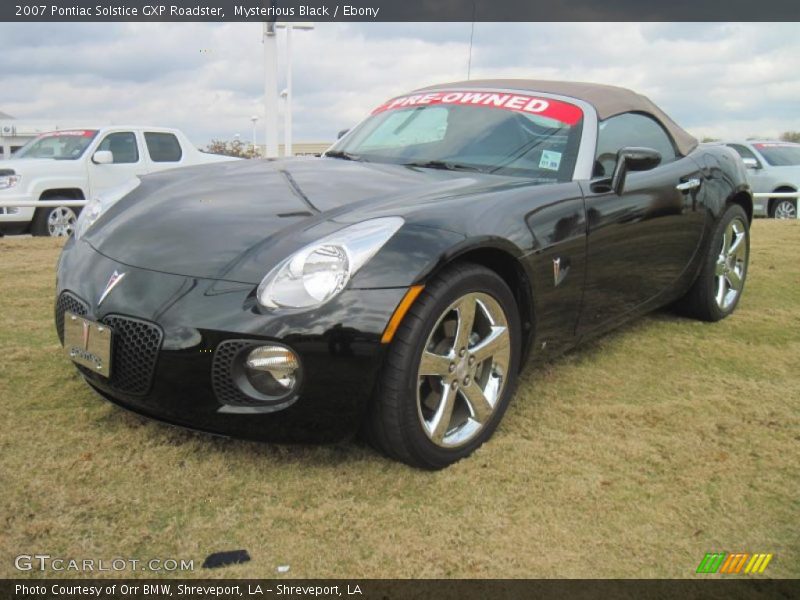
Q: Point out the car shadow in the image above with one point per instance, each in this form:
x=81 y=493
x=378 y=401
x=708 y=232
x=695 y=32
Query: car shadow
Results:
x=120 y=420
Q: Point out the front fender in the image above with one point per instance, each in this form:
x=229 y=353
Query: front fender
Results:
x=408 y=257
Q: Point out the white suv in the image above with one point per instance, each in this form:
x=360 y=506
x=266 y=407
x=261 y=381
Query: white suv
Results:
x=80 y=164
x=771 y=167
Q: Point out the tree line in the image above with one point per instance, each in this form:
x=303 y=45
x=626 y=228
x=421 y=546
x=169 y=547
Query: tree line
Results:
x=786 y=136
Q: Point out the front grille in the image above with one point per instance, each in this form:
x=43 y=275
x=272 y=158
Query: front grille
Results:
x=135 y=352
x=136 y=345
x=68 y=302
x=222 y=374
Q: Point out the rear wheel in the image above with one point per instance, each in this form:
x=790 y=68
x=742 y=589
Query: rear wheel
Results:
x=450 y=372
x=718 y=288
x=783 y=208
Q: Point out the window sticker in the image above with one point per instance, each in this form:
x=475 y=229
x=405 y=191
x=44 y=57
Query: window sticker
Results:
x=774 y=145
x=71 y=133
x=563 y=112
x=550 y=160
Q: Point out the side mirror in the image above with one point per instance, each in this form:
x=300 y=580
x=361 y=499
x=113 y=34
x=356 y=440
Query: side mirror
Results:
x=103 y=157
x=633 y=159
x=341 y=134
x=751 y=163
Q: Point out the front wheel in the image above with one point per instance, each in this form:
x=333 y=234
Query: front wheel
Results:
x=719 y=286
x=55 y=221
x=783 y=208
x=450 y=371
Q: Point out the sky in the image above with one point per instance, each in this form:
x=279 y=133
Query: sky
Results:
x=720 y=80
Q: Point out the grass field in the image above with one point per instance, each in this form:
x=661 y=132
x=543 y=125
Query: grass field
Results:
x=630 y=457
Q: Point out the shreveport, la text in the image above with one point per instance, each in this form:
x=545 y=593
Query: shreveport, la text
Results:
x=166 y=589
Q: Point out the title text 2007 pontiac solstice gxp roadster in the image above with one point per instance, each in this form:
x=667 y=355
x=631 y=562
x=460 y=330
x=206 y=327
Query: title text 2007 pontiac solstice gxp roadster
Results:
x=399 y=282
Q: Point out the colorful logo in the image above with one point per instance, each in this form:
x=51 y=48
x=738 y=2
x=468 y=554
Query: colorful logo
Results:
x=733 y=563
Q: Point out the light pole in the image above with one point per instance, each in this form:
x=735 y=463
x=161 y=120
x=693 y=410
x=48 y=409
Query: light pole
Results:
x=271 y=86
x=270 y=91
x=254 y=119
x=287 y=115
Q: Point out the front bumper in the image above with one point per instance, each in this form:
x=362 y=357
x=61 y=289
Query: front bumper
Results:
x=14 y=219
x=169 y=328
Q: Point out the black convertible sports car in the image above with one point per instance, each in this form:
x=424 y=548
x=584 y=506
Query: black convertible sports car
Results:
x=398 y=283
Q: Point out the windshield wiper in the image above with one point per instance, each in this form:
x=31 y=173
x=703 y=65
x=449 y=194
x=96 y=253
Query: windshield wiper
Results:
x=343 y=155
x=441 y=164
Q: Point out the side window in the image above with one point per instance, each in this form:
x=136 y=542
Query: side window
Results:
x=744 y=151
x=122 y=145
x=629 y=129
x=163 y=147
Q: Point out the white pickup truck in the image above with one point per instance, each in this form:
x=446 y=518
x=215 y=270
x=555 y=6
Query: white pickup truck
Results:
x=77 y=165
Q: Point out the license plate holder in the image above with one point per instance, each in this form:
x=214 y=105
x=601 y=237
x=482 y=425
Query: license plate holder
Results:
x=88 y=343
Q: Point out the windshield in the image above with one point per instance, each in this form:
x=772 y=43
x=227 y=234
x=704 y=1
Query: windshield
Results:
x=60 y=145
x=491 y=132
x=780 y=155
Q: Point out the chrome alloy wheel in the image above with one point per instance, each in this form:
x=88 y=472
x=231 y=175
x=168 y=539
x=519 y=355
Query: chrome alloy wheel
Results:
x=462 y=371
x=785 y=209
x=731 y=264
x=61 y=221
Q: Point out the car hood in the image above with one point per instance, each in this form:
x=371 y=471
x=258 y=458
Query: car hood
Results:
x=215 y=221
x=22 y=166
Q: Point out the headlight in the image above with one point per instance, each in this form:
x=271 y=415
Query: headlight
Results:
x=9 y=181
x=101 y=203
x=315 y=274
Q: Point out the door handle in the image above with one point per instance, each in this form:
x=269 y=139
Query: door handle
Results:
x=690 y=184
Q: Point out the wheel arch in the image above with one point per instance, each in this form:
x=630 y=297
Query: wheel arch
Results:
x=745 y=200
x=68 y=193
x=65 y=193
x=497 y=256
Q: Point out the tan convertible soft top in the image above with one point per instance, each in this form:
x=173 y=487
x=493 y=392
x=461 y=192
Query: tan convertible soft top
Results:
x=607 y=100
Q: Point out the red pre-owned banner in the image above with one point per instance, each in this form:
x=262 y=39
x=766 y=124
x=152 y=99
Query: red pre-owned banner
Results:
x=70 y=132
x=546 y=107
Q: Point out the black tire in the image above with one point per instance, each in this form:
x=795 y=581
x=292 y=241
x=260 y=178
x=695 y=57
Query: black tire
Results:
x=783 y=208
x=394 y=423
x=40 y=224
x=701 y=301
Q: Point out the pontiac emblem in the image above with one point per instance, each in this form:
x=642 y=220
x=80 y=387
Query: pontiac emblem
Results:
x=116 y=277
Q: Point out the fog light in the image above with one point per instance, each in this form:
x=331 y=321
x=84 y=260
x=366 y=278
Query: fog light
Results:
x=272 y=370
